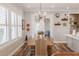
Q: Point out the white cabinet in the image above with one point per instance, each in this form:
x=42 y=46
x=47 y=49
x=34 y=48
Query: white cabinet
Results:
x=69 y=42
x=73 y=42
x=75 y=45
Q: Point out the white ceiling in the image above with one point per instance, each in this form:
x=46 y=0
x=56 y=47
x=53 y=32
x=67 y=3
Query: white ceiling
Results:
x=47 y=6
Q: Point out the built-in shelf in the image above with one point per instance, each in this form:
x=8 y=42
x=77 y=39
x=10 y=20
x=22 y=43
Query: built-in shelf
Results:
x=74 y=22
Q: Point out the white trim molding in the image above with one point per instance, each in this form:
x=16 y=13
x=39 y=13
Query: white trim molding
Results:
x=60 y=41
x=15 y=50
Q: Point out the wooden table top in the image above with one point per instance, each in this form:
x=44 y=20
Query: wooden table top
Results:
x=41 y=45
x=32 y=42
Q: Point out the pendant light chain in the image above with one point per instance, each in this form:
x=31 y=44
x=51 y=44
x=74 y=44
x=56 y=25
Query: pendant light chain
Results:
x=40 y=7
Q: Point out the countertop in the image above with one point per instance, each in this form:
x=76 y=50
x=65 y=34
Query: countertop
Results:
x=72 y=36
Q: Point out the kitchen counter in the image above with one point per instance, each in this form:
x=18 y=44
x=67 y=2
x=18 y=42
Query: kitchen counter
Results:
x=73 y=42
x=72 y=36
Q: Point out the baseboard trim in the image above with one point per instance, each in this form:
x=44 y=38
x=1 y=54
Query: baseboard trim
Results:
x=60 y=41
x=15 y=50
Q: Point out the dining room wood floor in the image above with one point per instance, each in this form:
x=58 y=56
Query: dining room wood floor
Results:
x=25 y=51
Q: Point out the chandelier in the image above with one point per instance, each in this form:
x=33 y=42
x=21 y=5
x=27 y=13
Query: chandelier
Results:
x=41 y=13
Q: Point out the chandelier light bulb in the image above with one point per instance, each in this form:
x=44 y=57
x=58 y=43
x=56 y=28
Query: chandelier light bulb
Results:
x=45 y=13
x=39 y=12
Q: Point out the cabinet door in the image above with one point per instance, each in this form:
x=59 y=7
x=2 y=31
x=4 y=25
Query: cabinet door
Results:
x=69 y=42
x=76 y=45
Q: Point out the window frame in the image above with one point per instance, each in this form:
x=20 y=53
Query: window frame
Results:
x=8 y=26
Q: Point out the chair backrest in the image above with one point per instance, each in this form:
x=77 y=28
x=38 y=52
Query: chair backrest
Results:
x=41 y=47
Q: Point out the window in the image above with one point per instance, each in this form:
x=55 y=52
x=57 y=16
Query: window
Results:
x=13 y=26
x=16 y=25
x=19 y=25
x=3 y=16
x=10 y=25
x=3 y=25
x=20 y=20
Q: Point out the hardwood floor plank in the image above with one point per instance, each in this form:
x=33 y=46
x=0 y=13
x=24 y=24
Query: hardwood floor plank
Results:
x=25 y=50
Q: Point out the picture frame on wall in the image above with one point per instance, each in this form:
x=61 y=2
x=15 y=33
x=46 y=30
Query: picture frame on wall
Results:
x=65 y=24
x=23 y=24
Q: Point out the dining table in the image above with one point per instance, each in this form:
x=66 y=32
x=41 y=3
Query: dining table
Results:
x=41 y=45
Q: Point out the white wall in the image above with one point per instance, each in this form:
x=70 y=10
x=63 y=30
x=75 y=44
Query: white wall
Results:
x=60 y=30
x=9 y=47
x=56 y=32
x=30 y=18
